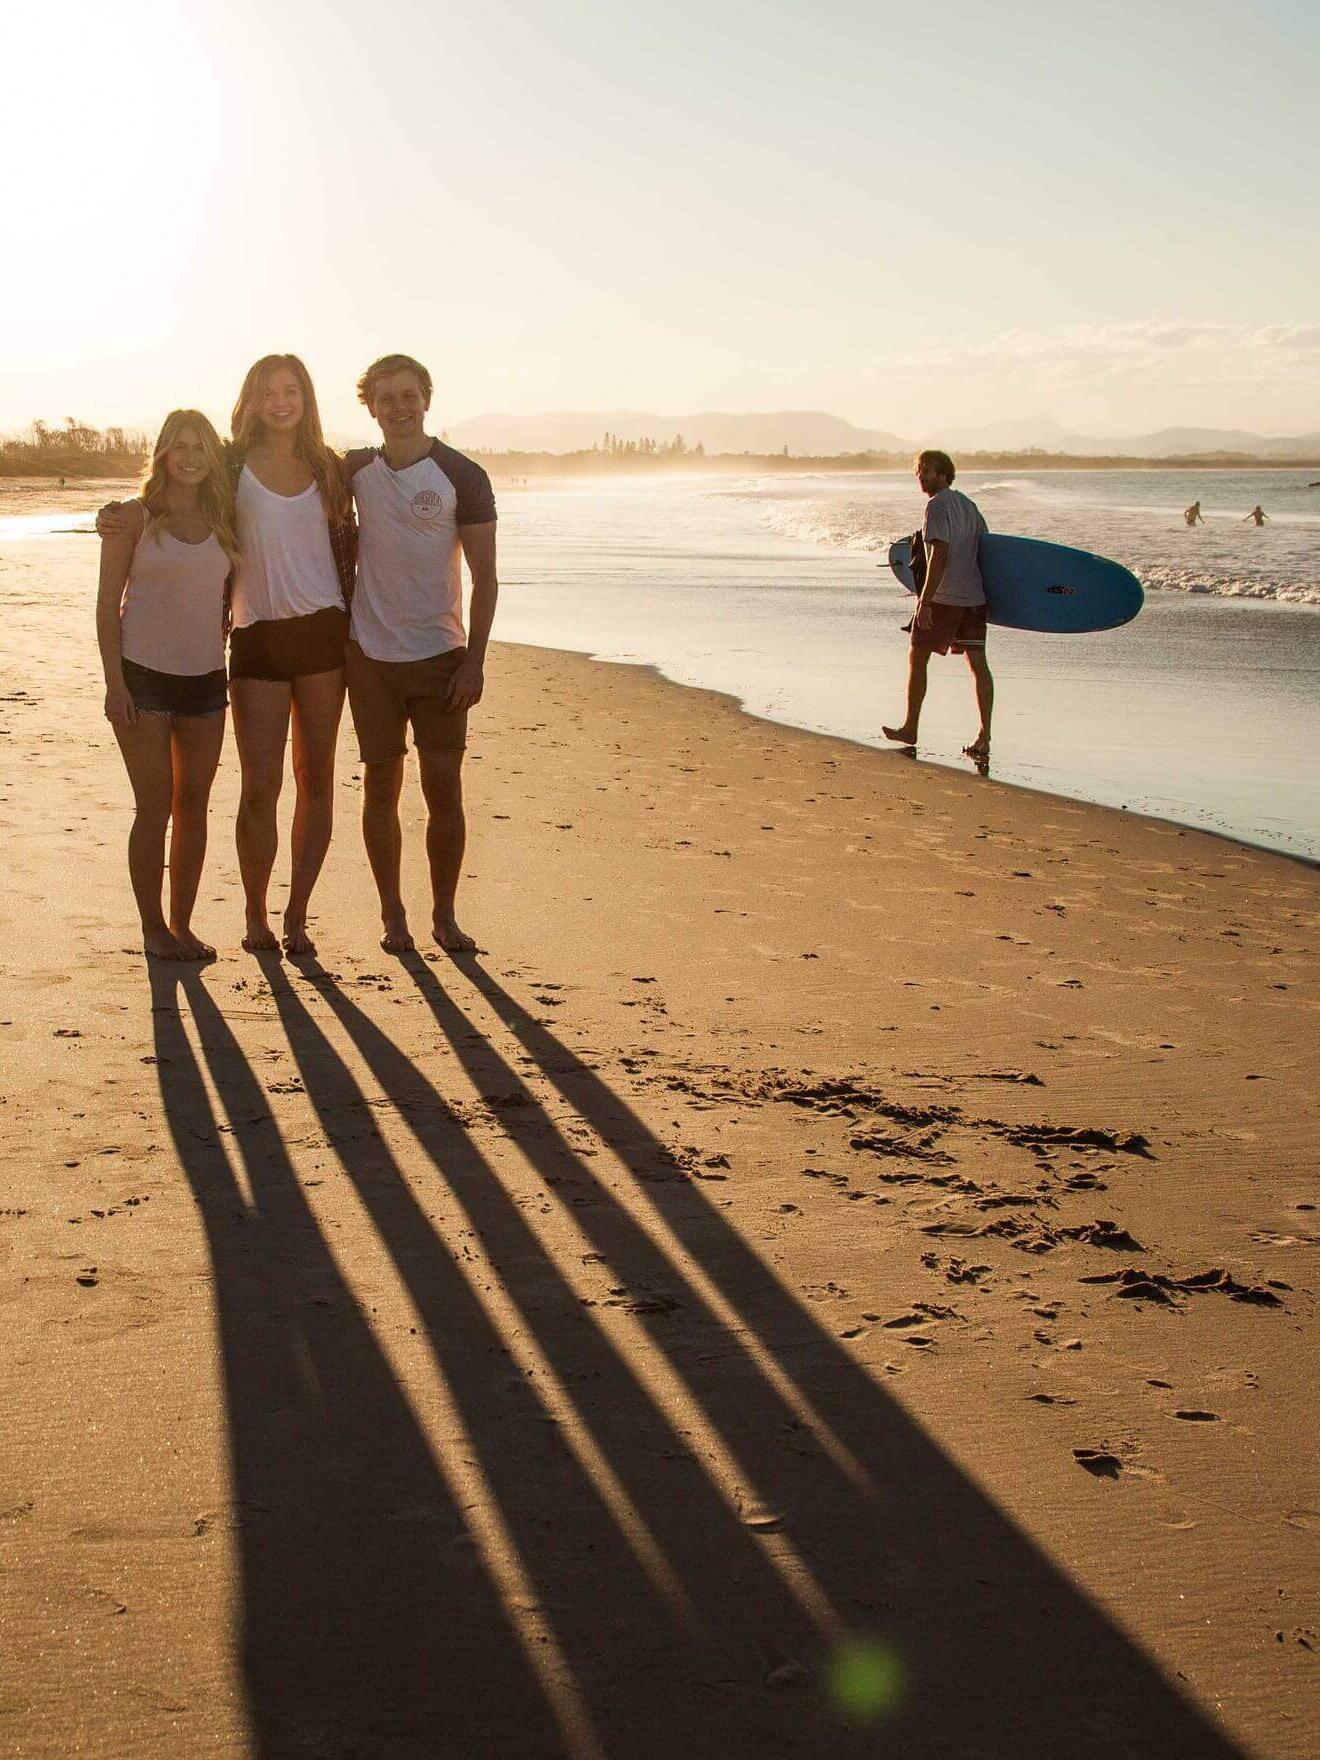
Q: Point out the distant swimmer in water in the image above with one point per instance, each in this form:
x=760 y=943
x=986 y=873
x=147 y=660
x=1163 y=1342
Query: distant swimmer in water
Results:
x=1258 y=515
x=1193 y=514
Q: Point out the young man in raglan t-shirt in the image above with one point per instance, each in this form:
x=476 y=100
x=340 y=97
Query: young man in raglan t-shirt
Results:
x=950 y=614
x=421 y=508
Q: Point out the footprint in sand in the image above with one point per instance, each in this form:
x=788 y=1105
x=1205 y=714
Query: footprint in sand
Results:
x=1098 y=1462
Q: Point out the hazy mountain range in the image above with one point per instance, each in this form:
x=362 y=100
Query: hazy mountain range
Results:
x=815 y=433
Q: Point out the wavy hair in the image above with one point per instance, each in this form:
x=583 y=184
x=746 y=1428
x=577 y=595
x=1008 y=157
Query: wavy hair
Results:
x=309 y=441
x=215 y=495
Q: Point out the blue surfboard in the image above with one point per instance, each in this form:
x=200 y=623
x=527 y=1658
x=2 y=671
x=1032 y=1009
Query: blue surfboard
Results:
x=1030 y=584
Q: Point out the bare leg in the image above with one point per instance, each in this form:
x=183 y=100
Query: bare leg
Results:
x=261 y=731
x=146 y=749
x=918 y=662
x=446 y=838
x=381 y=787
x=318 y=702
x=985 y=701
x=195 y=749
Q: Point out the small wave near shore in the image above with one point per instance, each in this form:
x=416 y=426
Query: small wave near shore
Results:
x=1134 y=517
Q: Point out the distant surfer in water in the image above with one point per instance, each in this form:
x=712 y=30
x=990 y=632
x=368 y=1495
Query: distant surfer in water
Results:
x=1257 y=516
x=950 y=614
x=1193 y=514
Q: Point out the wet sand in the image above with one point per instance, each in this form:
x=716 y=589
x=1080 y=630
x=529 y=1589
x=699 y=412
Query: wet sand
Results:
x=835 y=1276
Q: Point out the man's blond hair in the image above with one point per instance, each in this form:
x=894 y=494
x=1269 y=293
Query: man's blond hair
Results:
x=383 y=368
x=941 y=460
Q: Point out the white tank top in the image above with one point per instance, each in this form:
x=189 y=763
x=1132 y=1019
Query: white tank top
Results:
x=172 y=614
x=288 y=567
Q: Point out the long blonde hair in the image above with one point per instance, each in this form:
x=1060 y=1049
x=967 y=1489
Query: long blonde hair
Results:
x=310 y=441
x=215 y=494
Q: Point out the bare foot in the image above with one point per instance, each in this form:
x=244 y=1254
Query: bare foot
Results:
x=192 y=946
x=296 y=940
x=451 y=937
x=397 y=937
x=979 y=748
x=903 y=736
x=260 y=937
x=160 y=944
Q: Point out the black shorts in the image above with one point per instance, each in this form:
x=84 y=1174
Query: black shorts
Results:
x=285 y=648
x=175 y=693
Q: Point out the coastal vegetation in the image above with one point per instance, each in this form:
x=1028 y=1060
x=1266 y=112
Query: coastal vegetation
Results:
x=74 y=450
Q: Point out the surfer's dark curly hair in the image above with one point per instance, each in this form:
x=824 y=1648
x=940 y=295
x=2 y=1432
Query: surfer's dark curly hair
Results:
x=941 y=460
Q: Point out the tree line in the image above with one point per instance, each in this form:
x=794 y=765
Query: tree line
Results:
x=74 y=450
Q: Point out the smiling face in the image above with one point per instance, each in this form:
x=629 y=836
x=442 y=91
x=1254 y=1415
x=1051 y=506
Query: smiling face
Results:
x=186 y=460
x=282 y=402
x=399 y=405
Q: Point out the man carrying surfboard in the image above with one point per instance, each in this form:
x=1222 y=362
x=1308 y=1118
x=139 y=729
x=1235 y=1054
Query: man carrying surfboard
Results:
x=950 y=614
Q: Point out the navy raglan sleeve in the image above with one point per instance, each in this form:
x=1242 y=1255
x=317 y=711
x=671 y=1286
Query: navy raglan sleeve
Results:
x=475 y=497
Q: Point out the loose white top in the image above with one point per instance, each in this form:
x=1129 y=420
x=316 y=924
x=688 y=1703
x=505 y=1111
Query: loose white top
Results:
x=288 y=567
x=171 y=615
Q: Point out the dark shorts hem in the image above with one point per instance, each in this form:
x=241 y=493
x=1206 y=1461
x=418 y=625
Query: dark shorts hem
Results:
x=385 y=697
x=956 y=628
x=175 y=693
x=284 y=648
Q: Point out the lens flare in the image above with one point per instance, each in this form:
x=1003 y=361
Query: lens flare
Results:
x=864 y=1679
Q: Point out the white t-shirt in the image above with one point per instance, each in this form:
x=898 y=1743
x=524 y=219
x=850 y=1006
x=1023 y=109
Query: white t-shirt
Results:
x=950 y=515
x=288 y=567
x=408 y=601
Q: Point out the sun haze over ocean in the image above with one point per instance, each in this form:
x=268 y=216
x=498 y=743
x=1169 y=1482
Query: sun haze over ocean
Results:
x=911 y=217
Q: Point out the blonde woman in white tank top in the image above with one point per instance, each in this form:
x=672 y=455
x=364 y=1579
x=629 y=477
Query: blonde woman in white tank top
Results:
x=160 y=617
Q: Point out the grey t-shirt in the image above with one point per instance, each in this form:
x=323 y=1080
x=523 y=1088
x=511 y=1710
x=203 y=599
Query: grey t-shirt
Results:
x=950 y=515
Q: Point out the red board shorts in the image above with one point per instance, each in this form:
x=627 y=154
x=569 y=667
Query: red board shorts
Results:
x=954 y=629
x=384 y=696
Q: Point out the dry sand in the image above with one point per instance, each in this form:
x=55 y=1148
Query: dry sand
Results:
x=836 y=1276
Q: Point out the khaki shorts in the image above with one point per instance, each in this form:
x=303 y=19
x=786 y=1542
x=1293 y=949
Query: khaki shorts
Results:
x=955 y=629
x=385 y=695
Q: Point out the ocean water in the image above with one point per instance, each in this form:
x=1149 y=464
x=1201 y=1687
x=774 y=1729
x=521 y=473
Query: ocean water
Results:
x=1134 y=516
x=1204 y=710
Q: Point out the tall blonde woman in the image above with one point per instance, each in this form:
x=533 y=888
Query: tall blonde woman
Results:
x=160 y=623
x=290 y=622
x=294 y=520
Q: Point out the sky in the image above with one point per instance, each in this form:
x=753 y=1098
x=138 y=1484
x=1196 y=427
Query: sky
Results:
x=963 y=215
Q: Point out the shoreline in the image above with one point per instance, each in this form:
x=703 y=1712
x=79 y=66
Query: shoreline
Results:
x=965 y=769
x=844 y=1206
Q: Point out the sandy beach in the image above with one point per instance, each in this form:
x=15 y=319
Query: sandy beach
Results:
x=835 y=1276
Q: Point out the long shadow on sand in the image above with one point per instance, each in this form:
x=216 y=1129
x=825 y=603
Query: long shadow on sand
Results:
x=368 y=1626
x=1002 y=1654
